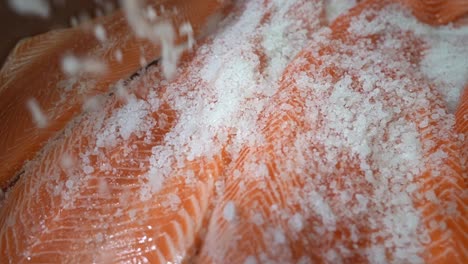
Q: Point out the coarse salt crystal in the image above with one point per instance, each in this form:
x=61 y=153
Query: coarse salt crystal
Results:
x=118 y=55
x=39 y=118
x=38 y=8
x=100 y=33
x=229 y=211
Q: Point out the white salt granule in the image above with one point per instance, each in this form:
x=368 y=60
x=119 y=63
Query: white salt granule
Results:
x=186 y=30
x=172 y=201
x=132 y=213
x=100 y=33
x=250 y=260
x=151 y=13
x=305 y=260
x=333 y=257
x=323 y=209
x=88 y=169
x=444 y=58
x=143 y=61
x=376 y=254
x=296 y=222
x=74 y=21
x=118 y=55
x=38 y=8
x=69 y=184
x=229 y=211
x=93 y=103
x=39 y=118
x=121 y=92
x=284 y=36
x=124 y=122
x=279 y=237
x=72 y=65
x=335 y=8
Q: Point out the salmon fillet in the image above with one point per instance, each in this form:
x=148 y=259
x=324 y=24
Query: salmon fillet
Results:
x=360 y=162
x=282 y=139
x=461 y=126
x=34 y=70
x=438 y=12
x=133 y=181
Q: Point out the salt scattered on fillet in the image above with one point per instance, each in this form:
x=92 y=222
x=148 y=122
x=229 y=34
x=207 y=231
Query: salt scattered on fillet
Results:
x=444 y=59
x=130 y=119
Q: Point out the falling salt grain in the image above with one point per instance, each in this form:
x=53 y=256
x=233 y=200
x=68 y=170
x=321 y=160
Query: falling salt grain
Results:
x=38 y=116
x=74 y=21
x=38 y=8
x=187 y=30
x=143 y=61
x=100 y=33
x=151 y=14
x=72 y=65
x=229 y=212
x=118 y=55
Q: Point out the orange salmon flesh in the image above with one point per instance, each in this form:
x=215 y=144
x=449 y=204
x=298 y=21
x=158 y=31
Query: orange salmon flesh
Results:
x=295 y=131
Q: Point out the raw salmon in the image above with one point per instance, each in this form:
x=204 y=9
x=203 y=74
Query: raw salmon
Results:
x=461 y=126
x=360 y=164
x=438 y=12
x=33 y=71
x=346 y=154
x=134 y=181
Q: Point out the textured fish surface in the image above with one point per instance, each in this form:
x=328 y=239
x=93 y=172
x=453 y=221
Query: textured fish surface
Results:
x=283 y=138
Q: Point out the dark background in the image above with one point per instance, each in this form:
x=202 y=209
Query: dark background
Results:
x=14 y=27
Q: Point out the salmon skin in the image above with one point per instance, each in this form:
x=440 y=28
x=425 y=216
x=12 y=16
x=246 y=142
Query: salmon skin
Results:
x=282 y=139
